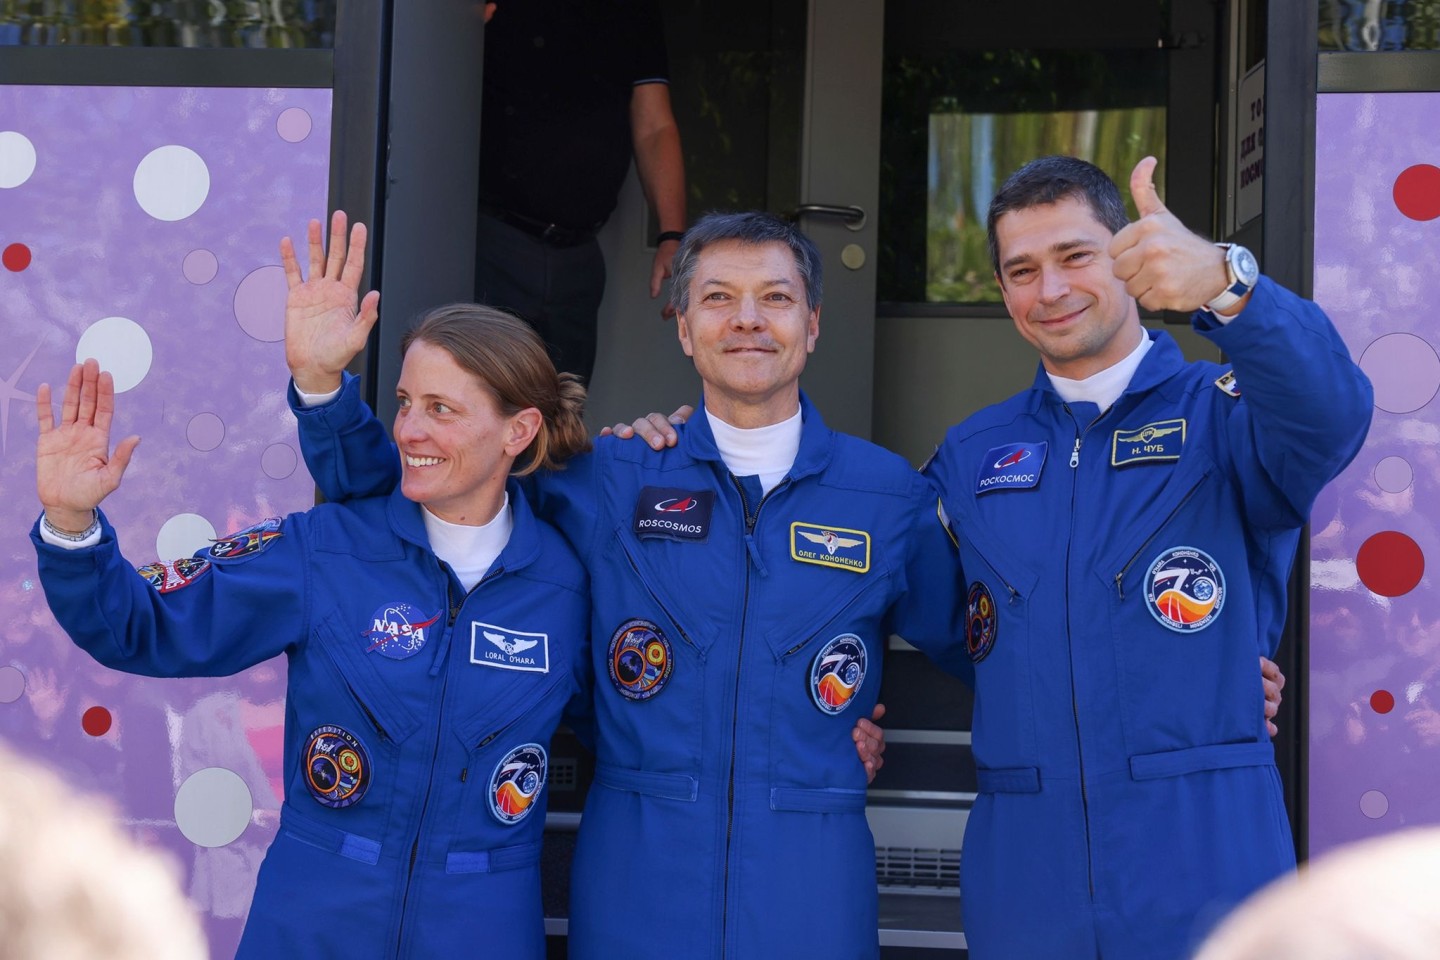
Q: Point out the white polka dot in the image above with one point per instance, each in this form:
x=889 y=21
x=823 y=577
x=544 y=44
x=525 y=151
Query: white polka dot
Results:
x=1393 y=474
x=213 y=807
x=171 y=182
x=17 y=158
x=182 y=535
x=1374 y=804
x=122 y=346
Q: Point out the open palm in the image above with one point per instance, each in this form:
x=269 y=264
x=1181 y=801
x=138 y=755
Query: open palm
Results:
x=74 y=468
x=326 y=322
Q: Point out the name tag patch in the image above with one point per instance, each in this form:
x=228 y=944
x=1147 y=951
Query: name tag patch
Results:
x=830 y=546
x=492 y=646
x=1161 y=440
x=1014 y=466
x=667 y=514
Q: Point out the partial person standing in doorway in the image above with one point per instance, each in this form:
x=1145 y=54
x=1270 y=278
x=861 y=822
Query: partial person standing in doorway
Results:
x=572 y=90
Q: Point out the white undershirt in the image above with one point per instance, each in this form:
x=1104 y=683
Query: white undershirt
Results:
x=764 y=452
x=1105 y=387
x=469 y=550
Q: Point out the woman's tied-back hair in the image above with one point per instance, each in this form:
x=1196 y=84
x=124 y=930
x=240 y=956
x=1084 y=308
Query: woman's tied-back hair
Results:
x=512 y=363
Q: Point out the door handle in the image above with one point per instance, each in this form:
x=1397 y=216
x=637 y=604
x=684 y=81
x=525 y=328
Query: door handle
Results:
x=852 y=217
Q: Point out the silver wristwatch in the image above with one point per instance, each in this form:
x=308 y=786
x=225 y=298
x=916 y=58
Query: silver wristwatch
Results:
x=1244 y=273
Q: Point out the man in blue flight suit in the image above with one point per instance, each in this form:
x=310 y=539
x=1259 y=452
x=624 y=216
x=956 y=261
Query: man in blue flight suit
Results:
x=1127 y=526
x=744 y=585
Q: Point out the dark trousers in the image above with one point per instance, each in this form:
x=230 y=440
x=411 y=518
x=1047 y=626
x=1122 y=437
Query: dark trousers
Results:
x=557 y=290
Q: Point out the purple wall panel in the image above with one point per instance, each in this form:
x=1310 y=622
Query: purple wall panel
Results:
x=1375 y=614
x=140 y=226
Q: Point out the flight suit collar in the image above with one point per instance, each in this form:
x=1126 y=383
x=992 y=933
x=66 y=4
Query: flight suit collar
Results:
x=817 y=441
x=521 y=550
x=1159 y=364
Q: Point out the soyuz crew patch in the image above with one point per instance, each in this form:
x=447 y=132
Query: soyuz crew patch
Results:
x=1014 y=466
x=516 y=783
x=248 y=541
x=1185 y=589
x=398 y=630
x=641 y=659
x=837 y=672
x=666 y=514
x=1227 y=384
x=173 y=574
x=982 y=621
x=337 y=767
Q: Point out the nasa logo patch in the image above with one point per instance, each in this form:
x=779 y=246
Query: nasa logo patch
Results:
x=981 y=621
x=666 y=514
x=337 y=767
x=641 y=659
x=837 y=672
x=173 y=574
x=516 y=783
x=249 y=541
x=398 y=630
x=1185 y=589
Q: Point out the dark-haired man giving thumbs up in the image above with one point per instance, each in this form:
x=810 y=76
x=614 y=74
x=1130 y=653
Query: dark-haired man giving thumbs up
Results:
x=1127 y=527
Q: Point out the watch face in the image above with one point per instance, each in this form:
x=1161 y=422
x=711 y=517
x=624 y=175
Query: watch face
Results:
x=1242 y=261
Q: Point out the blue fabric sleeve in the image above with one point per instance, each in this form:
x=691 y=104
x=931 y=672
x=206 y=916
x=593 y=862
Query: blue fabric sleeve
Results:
x=930 y=615
x=215 y=620
x=346 y=448
x=1304 y=405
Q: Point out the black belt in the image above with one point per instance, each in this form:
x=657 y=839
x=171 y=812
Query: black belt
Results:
x=550 y=234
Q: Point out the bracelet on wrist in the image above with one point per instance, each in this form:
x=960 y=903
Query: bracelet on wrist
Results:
x=85 y=534
x=664 y=235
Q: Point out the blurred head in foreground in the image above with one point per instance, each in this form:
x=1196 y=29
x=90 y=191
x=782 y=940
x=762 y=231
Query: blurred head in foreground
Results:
x=73 y=886
x=1374 y=900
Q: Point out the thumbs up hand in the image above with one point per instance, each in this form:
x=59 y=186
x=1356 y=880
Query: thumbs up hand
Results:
x=1164 y=265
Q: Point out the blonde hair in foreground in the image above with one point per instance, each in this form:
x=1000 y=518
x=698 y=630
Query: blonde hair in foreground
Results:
x=1373 y=900
x=73 y=886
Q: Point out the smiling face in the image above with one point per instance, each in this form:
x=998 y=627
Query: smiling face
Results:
x=1057 y=280
x=749 y=330
x=456 y=446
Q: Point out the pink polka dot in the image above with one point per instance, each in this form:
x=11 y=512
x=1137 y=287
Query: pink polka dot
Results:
x=278 y=461
x=293 y=125
x=260 y=303
x=205 y=431
x=200 y=266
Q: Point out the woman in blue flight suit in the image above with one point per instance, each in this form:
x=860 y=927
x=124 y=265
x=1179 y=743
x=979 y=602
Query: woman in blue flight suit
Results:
x=434 y=638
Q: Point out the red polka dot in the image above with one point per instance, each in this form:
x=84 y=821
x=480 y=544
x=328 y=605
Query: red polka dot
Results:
x=1417 y=192
x=1390 y=563
x=1382 y=701
x=96 y=721
x=16 y=257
